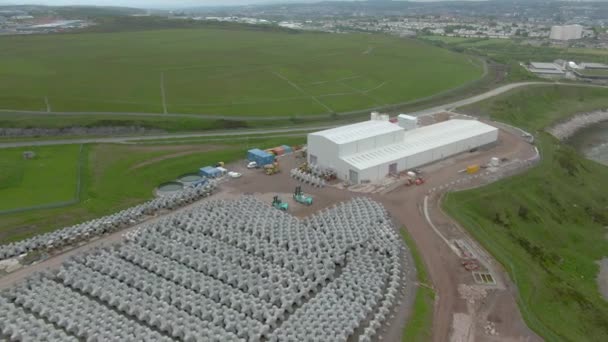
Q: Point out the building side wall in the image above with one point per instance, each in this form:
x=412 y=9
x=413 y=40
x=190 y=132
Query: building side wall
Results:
x=325 y=151
x=378 y=172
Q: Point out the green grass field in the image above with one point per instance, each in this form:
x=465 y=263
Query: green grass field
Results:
x=547 y=226
x=227 y=72
x=114 y=177
x=513 y=51
x=49 y=178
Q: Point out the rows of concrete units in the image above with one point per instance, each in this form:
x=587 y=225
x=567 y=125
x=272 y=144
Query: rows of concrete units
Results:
x=231 y=267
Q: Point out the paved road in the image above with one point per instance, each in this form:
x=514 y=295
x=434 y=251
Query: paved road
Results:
x=492 y=93
x=128 y=139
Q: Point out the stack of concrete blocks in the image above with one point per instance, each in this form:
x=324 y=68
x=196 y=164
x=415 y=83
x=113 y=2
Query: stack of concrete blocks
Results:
x=108 y=224
x=223 y=270
x=307 y=178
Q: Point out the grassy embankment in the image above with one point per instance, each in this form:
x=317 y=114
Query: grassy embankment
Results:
x=419 y=325
x=547 y=226
x=113 y=178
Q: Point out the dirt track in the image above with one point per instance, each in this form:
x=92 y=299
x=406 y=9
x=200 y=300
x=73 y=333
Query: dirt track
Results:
x=463 y=310
x=456 y=318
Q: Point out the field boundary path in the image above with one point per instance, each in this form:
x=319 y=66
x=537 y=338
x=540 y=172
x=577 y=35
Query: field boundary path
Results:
x=62 y=204
x=298 y=88
x=133 y=139
x=163 y=93
x=129 y=139
x=48 y=104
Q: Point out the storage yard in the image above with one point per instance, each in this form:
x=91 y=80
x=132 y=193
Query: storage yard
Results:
x=232 y=267
x=226 y=270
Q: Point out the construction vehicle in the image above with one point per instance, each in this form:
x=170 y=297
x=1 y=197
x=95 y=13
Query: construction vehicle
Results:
x=278 y=204
x=271 y=169
x=300 y=197
x=414 y=181
x=472 y=169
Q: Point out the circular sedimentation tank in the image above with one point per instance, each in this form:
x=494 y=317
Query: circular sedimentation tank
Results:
x=190 y=178
x=170 y=187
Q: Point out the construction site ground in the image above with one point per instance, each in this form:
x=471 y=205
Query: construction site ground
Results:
x=465 y=309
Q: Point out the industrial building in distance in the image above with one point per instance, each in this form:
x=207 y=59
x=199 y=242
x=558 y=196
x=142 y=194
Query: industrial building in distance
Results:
x=566 y=32
x=372 y=150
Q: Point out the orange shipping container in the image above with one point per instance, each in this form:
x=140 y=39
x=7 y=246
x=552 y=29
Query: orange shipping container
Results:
x=279 y=151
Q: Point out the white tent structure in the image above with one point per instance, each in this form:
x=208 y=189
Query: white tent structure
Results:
x=372 y=150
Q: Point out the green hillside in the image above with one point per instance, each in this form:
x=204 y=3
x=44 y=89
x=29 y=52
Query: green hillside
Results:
x=547 y=226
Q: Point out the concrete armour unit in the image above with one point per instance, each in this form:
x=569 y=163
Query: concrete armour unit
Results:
x=372 y=150
x=224 y=270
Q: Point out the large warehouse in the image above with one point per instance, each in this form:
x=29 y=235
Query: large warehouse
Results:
x=374 y=149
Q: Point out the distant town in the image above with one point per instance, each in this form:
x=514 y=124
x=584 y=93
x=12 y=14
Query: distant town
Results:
x=17 y=21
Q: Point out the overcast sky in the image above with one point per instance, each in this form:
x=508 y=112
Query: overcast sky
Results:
x=146 y=3
x=150 y=3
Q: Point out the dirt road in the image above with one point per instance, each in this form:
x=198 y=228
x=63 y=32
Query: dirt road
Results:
x=458 y=316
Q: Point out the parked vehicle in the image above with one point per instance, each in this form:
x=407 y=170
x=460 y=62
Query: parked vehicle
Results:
x=233 y=174
x=252 y=165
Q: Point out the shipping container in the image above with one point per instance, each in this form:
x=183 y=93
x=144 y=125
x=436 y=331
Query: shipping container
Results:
x=260 y=157
x=278 y=151
x=287 y=149
x=210 y=172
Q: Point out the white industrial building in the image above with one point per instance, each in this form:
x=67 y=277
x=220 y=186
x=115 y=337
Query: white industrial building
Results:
x=549 y=69
x=566 y=32
x=374 y=149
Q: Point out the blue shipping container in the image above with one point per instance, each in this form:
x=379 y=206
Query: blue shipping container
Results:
x=260 y=157
x=287 y=149
x=209 y=172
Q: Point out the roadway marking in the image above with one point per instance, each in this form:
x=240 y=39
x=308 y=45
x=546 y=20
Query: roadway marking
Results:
x=163 y=95
x=428 y=220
